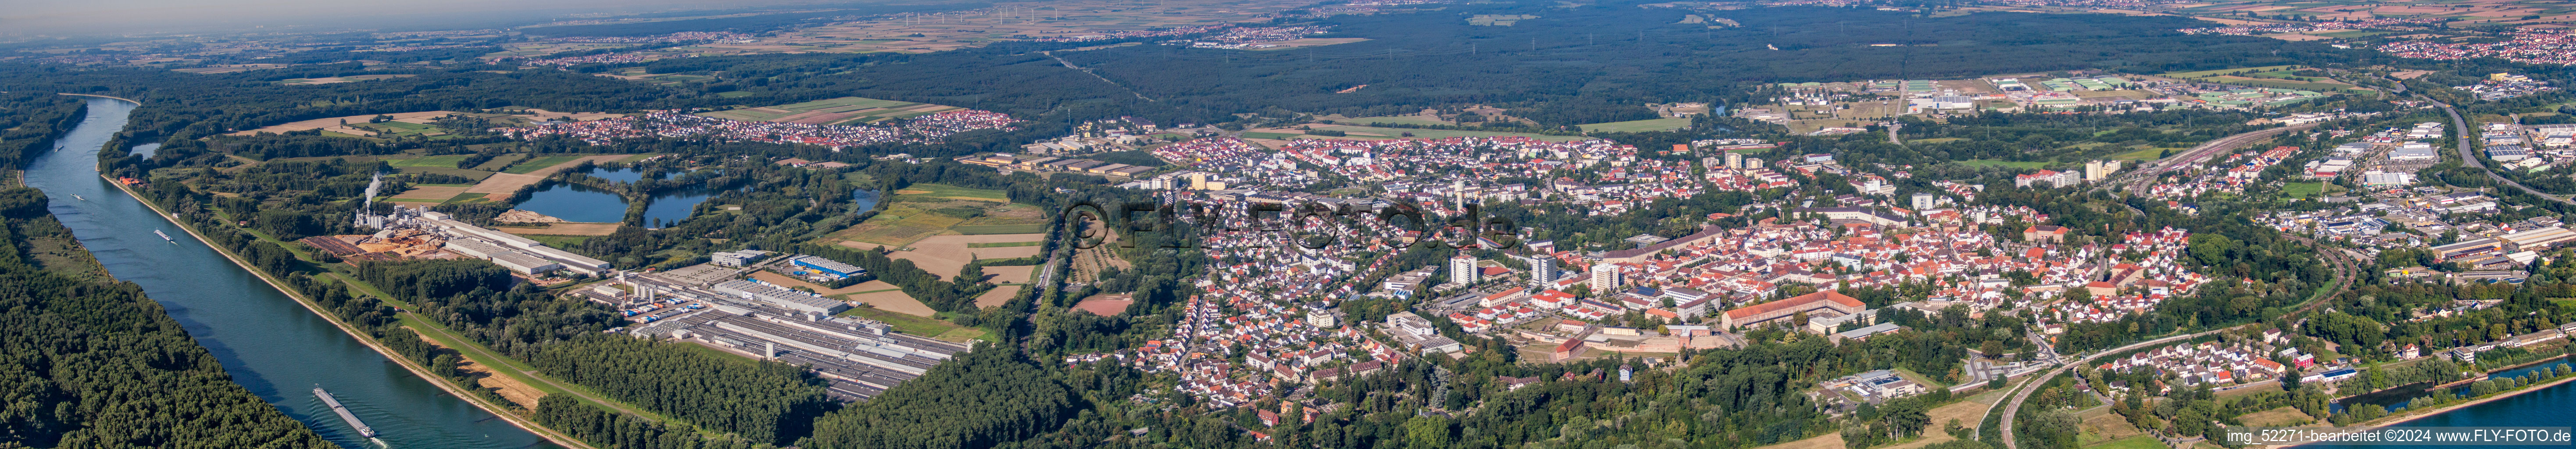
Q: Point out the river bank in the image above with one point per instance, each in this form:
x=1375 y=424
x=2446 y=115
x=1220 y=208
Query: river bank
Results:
x=2410 y=415
x=453 y=389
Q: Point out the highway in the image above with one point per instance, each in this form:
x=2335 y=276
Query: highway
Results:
x=2460 y=128
x=2146 y=174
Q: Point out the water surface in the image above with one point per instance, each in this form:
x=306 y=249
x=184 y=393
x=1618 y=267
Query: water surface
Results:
x=265 y=340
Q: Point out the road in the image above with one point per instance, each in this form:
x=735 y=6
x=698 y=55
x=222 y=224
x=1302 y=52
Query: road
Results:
x=2460 y=128
x=2014 y=406
x=2146 y=174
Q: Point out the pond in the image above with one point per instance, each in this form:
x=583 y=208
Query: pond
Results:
x=624 y=174
x=866 y=200
x=584 y=204
x=575 y=203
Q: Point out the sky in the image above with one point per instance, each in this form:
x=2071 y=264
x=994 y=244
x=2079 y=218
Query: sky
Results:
x=27 y=18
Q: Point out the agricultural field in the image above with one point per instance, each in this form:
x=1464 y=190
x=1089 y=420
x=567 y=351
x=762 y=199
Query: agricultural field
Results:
x=532 y=165
x=1395 y=119
x=951 y=192
x=1661 y=124
x=429 y=161
x=836 y=111
x=920 y=211
x=401 y=124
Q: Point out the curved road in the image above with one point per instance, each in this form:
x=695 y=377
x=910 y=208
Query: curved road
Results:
x=2014 y=406
x=2462 y=127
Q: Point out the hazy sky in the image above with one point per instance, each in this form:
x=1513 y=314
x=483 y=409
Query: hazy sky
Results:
x=89 y=17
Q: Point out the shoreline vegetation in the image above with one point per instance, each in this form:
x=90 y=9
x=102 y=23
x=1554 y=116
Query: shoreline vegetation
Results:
x=2410 y=415
x=525 y=423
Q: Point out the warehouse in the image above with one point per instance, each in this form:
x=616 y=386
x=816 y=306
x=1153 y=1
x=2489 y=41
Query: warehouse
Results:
x=828 y=266
x=2537 y=239
x=781 y=297
x=2467 y=248
x=524 y=264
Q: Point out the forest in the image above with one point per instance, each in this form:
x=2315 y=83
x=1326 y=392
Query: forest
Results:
x=94 y=363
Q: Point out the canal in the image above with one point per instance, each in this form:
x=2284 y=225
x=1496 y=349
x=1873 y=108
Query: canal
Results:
x=267 y=341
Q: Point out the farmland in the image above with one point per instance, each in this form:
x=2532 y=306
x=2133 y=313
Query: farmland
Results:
x=836 y=111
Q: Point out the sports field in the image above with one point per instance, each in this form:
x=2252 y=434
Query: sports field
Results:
x=836 y=111
x=1661 y=124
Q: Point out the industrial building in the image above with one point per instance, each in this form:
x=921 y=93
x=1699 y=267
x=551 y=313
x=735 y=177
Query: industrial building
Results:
x=736 y=258
x=827 y=266
x=508 y=250
x=781 y=297
x=860 y=358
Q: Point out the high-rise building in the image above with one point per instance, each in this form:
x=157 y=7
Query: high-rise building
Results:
x=1752 y=163
x=1605 y=278
x=1462 y=269
x=2099 y=170
x=1542 y=271
x=1734 y=160
x=1923 y=201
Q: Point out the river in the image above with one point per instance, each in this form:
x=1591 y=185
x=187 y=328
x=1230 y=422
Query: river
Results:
x=268 y=342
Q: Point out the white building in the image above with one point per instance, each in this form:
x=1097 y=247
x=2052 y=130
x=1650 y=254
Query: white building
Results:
x=1462 y=270
x=1605 y=278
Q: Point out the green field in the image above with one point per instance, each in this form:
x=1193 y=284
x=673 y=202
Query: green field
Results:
x=533 y=165
x=1661 y=124
x=2208 y=73
x=1273 y=136
x=429 y=161
x=2283 y=84
x=2310 y=189
x=468 y=196
x=952 y=192
x=2136 y=442
x=2142 y=154
x=1394 y=119
x=908 y=323
x=477 y=175
x=498 y=162
x=835 y=111
x=2008 y=164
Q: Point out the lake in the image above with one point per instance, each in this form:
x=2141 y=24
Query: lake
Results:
x=584 y=204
